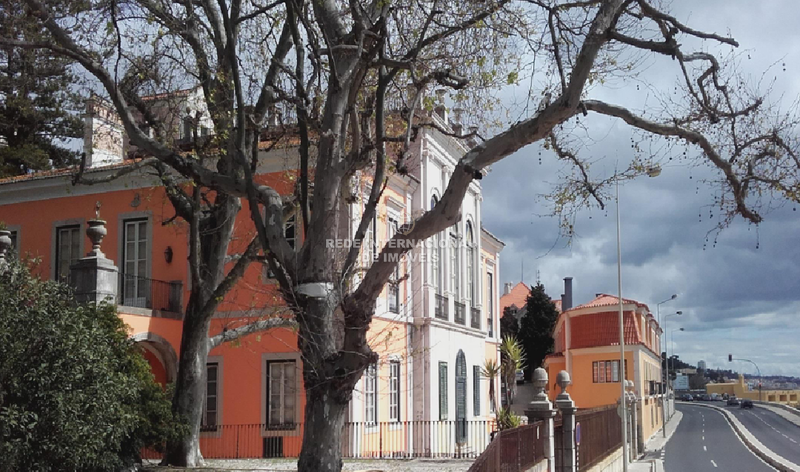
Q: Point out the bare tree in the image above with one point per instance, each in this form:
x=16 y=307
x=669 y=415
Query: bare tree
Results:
x=357 y=77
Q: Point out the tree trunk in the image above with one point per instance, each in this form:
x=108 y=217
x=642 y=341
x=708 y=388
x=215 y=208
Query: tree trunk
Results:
x=322 y=437
x=187 y=405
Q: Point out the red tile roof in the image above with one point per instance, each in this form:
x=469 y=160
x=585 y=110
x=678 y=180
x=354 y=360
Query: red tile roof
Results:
x=516 y=297
x=46 y=174
x=609 y=300
x=602 y=329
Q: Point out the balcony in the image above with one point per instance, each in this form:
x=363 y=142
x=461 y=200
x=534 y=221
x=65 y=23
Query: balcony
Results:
x=440 y=309
x=475 y=320
x=460 y=314
x=142 y=292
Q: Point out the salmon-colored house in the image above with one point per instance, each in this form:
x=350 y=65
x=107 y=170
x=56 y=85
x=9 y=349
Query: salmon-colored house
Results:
x=587 y=347
x=433 y=331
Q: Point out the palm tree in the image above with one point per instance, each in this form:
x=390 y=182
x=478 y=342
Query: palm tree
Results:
x=491 y=371
x=513 y=359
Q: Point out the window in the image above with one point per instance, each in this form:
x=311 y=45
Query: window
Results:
x=371 y=394
x=394 y=391
x=490 y=303
x=135 y=260
x=442 y=390
x=289 y=231
x=471 y=292
x=455 y=268
x=394 y=284
x=606 y=371
x=476 y=390
x=211 y=404
x=281 y=394
x=435 y=259
x=186 y=128
x=68 y=250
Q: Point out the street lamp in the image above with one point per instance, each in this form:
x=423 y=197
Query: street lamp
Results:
x=664 y=401
x=672 y=338
x=760 y=379
x=651 y=172
x=677 y=313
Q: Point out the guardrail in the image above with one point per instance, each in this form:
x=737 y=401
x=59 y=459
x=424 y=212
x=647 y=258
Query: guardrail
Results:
x=142 y=292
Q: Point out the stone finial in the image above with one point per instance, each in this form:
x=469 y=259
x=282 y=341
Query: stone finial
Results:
x=96 y=232
x=563 y=380
x=539 y=384
x=5 y=245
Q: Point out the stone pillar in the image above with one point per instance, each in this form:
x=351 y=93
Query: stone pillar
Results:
x=634 y=411
x=95 y=277
x=568 y=409
x=541 y=409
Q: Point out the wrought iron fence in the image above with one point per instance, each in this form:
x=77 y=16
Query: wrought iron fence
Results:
x=476 y=318
x=514 y=450
x=460 y=313
x=440 y=310
x=142 y=292
x=386 y=440
x=600 y=435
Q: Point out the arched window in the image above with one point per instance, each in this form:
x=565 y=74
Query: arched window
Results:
x=435 y=254
x=455 y=263
x=471 y=291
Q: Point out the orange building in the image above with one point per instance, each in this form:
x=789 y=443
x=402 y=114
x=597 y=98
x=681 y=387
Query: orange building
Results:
x=587 y=346
x=433 y=330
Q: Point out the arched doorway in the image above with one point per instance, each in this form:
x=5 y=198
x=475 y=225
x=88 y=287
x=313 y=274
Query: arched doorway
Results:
x=160 y=355
x=461 y=397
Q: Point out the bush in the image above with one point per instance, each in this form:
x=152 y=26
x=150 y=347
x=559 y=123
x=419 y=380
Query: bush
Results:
x=75 y=393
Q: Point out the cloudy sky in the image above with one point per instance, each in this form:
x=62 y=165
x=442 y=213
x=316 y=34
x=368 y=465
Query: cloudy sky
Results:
x=740 y=295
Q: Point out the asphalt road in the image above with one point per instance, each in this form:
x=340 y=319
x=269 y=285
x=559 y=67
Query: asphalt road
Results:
x=705 y=442
x=778 y=434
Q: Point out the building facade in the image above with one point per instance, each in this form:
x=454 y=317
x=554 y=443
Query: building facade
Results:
x=433 y=329
x=587 y=347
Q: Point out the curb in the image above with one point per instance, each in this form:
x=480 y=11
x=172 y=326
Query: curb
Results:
x=753 y=444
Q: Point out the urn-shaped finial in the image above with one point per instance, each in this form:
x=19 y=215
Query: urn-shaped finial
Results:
x=5 y=244
x=96 y=232
x=539 y=384
x=563 y=380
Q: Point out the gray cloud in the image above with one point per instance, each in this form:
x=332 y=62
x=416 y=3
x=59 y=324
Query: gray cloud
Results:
x=740 y=290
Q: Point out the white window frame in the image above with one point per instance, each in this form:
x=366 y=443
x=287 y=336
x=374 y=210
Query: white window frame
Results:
x=394 y=390
x=371 y=405
x=74 y=250
x=287 y=391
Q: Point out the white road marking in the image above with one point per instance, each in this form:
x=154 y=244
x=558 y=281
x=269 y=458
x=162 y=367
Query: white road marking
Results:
x=704 y=438
x=705 y=448
x=714 y=463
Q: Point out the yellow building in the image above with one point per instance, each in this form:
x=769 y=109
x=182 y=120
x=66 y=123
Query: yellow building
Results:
x=741 y=390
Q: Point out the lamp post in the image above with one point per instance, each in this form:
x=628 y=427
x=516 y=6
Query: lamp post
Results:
x=651 y=172
x=760 y=380
x=664 y=400
x=677 y=313
x=672 y=339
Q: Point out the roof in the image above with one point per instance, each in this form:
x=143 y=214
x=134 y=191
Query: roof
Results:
x=53 y=173
x=488 y=233
x=603 y=299
x=601 y=329
x=516 y=297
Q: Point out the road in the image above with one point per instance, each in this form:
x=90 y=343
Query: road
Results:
x=705 y=442
x=779 y=435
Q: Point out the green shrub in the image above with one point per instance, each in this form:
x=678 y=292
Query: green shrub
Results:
x=75 y=393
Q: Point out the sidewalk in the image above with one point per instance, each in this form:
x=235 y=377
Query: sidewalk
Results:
x=653 y=459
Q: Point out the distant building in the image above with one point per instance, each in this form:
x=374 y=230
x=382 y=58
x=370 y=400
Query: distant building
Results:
x=701 y=365
x=742 y=389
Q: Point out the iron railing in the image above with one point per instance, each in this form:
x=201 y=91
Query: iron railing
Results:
x=386 y=440
x=460 y=313
x=142 y=292
x=441 y=310
x=476 y=318
x=514 y=450
x=601 y=434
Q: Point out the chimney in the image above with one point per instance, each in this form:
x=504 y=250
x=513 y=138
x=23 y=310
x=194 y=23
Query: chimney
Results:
x=103 y=134
x=566 y=299
x=507 y=288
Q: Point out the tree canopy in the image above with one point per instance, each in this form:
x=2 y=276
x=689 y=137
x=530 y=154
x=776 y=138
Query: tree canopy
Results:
x=536 y=327
x=75 y=392
x=38 y=104
x=353 y=83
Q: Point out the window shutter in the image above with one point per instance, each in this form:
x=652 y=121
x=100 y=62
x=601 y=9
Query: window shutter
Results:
x=442 y=390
